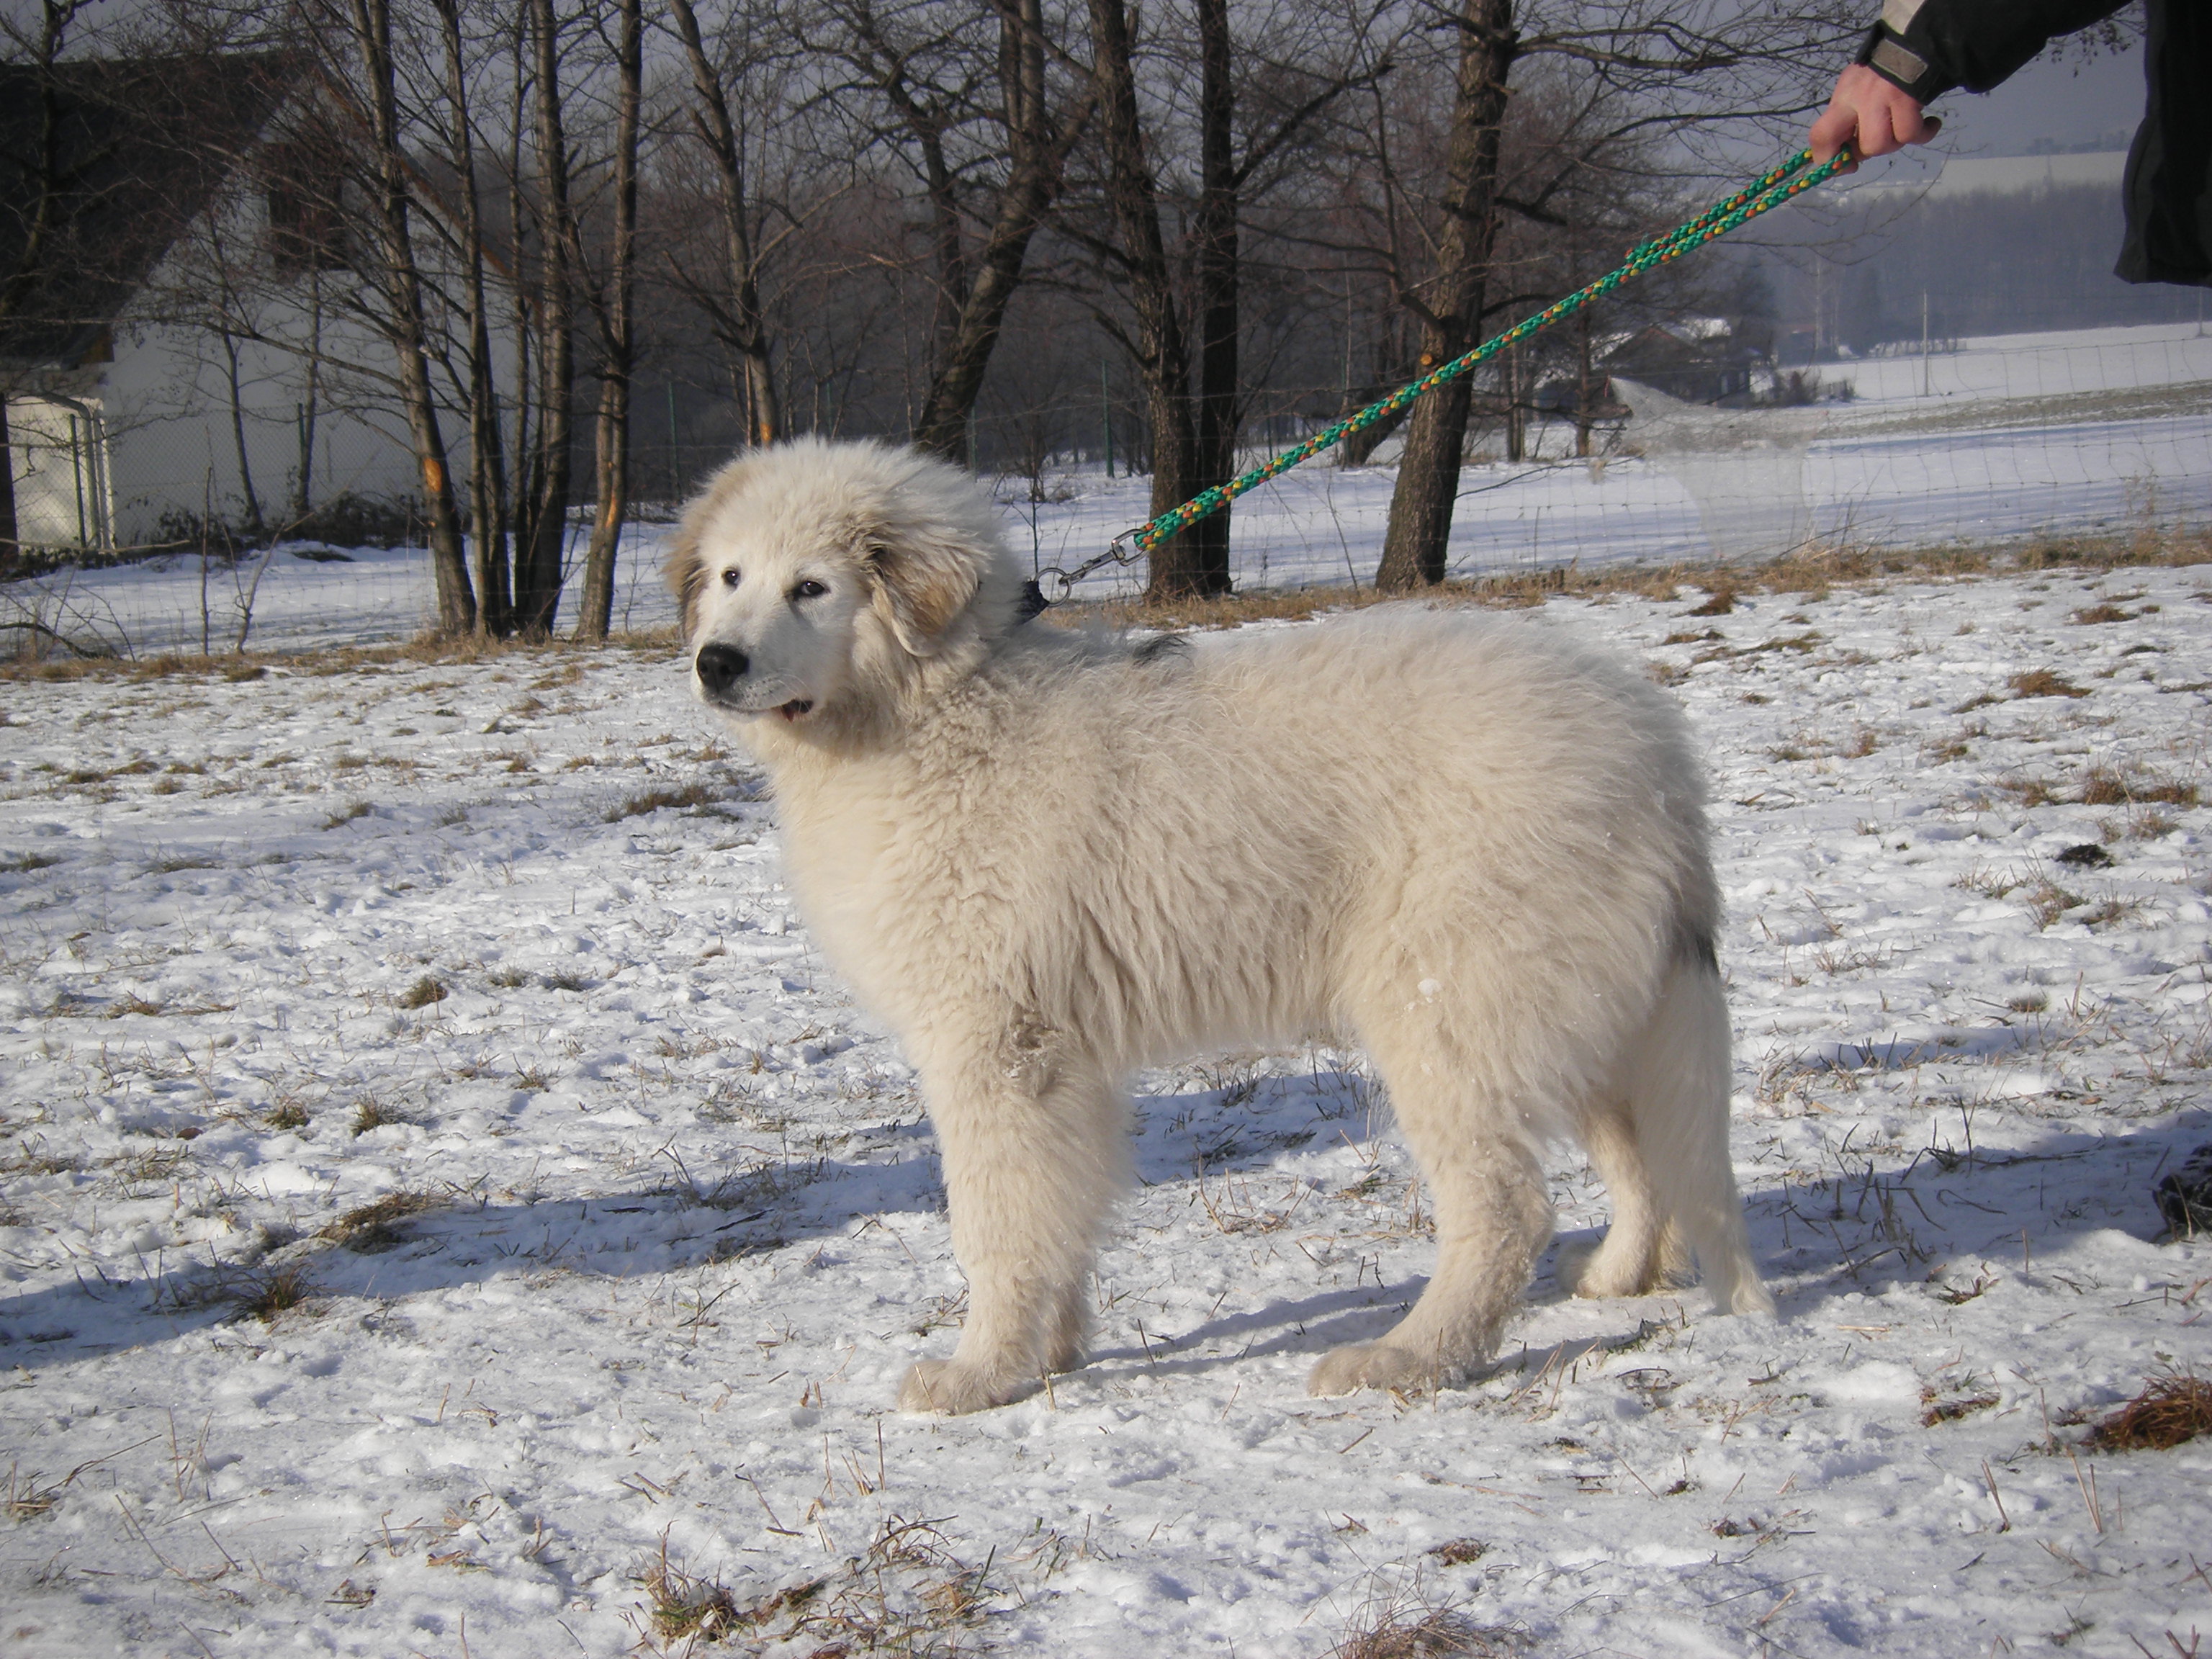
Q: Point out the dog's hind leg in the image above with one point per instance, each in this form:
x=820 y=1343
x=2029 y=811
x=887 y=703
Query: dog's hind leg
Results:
x=1031 y=1175
x=1493 y=1216
x=1068 y=1333
x=1677 y=1075
x=1632 y=1259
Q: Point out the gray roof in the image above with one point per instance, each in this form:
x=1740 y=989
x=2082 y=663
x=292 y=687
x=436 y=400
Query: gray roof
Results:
x=120 y=155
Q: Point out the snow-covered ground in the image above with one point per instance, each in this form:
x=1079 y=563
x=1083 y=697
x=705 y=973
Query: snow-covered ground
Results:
x=461 y=1006
x=2095 y=432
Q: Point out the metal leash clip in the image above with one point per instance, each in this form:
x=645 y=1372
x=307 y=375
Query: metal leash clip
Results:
x=1055 y=585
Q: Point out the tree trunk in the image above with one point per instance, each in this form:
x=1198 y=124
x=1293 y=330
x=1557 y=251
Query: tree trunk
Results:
x=1517 y=408
x=487 y=461
x=1162 y=358
x=542 y=545
x=522 y=435
x=1038 y=146
x=404 y=321
x=303 y=493
x=1197 y=562
x=746 y=333
x=1413 y=546
x=1583 y=383
x=618 y=345
x=255 y=529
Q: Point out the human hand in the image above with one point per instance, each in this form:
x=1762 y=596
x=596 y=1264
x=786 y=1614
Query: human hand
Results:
x=1869 y=116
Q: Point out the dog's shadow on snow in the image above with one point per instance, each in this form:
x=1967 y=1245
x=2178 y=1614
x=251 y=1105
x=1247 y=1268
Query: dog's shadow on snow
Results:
x=410 y=1247
x=1869 y=1226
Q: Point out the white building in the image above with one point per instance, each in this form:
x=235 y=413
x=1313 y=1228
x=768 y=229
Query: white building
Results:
x=171 y=352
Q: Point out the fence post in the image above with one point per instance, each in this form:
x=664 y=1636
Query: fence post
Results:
x=675 y=458
x=1926 y=385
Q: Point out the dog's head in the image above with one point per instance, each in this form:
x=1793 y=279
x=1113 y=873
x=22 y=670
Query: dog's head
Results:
x=819 y=580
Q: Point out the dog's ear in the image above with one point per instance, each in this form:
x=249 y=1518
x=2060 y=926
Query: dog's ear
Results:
x=687 y=574
x=923 y=582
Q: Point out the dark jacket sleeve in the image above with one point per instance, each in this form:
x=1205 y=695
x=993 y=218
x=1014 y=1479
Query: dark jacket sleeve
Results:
x=1928 y=47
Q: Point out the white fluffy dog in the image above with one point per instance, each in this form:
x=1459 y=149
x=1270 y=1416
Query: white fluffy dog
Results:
x=1046 y=859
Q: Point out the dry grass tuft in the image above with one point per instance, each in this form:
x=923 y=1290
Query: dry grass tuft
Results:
x=2104 y=787
x=347 y=814
x=275 y=1292
x=2047 y=901
x=369 y=1113
x=2030 y=791
x=690 y=795
x=369 y=1229
x=1951 y=1409
x=2172 y=1409
x=425 y=650
x=1812 y=571
x=24 y=863
x=2044 y=682
x=908 y=1594
x=686 y=1609
x=1461 y=1551
x=1397 y=1630
x=27 y=1498
x=423 y=993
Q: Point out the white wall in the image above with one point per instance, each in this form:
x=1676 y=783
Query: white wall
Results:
x=174 y=448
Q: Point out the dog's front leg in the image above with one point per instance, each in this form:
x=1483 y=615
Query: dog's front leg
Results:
x=1031 y=1168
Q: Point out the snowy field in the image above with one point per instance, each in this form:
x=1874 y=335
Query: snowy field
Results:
x=449 y=1208
x=2101 y=431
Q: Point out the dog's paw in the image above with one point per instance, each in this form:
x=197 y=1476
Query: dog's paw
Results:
x=1571 y=1268
x=1378 y=1365
x=1066 y=1357
x=1591 y=1273
x=1745 y=1295
x=948 y=1388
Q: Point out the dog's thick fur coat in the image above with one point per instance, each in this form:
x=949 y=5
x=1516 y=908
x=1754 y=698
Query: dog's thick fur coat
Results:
x=1046 y=859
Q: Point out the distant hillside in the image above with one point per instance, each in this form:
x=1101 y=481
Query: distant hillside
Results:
x=2002 y=244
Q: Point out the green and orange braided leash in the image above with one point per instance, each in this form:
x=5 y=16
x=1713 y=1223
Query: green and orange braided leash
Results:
x=1762 y=195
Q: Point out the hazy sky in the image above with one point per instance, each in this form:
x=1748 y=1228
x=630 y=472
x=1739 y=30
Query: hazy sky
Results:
x=2069 y=102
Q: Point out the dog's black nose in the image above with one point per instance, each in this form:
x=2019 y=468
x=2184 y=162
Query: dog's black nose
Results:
x=720 y=667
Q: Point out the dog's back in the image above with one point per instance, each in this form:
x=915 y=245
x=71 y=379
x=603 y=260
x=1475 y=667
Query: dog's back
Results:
x=1269 y=833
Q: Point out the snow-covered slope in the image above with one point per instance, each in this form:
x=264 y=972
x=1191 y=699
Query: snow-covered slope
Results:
x=645 y=1220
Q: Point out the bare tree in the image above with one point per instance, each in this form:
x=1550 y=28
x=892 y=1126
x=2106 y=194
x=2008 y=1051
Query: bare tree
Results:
x=936 y=100
x=542 y=515
x=1665 y=66
x=614 y=304
x=401 y=280
x=735 y=303
x=488 y=496
x=1185 y=317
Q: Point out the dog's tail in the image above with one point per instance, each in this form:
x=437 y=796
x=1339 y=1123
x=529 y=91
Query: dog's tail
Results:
x=1677 y=1080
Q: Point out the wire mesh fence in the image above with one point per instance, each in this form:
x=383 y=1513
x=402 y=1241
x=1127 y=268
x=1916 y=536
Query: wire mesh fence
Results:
x=1983 y=441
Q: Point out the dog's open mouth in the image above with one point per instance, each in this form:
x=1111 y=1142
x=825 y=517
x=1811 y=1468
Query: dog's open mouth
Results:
x=794 y=708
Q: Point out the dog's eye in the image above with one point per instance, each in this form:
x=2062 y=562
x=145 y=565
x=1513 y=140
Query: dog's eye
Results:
x=809 y=590
x=732 y=576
